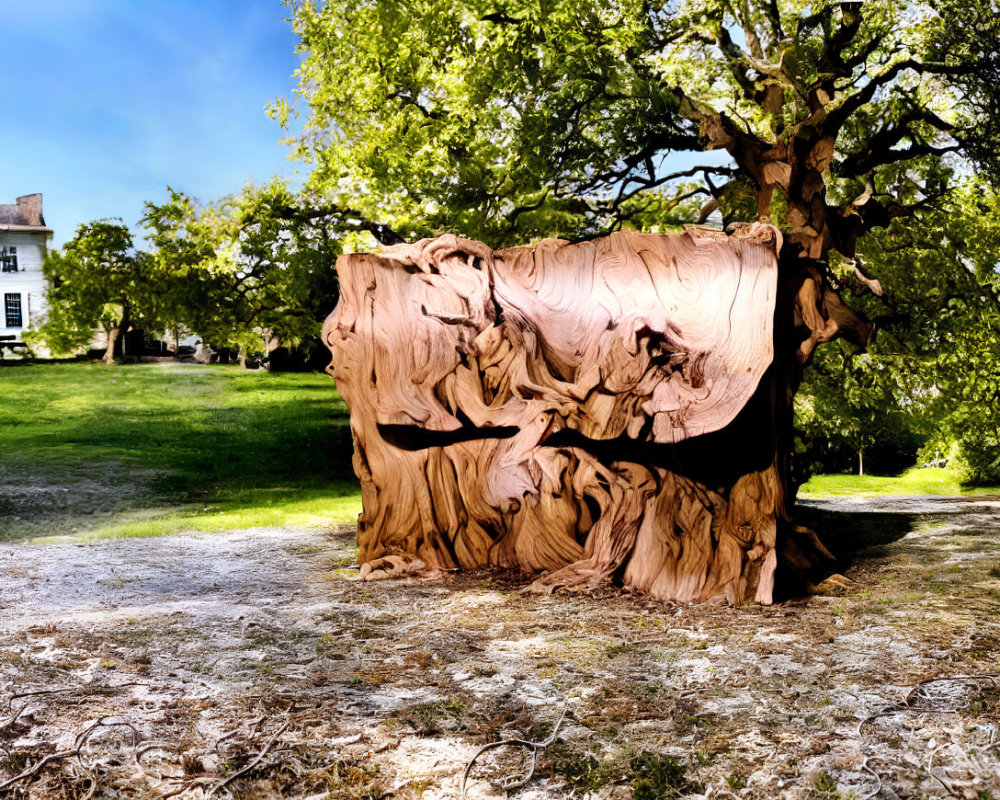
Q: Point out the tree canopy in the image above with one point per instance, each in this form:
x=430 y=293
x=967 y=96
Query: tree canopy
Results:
x=932 y=377
x=507 y=119
x=100 y=282
x=247 y=271
x=856 y=127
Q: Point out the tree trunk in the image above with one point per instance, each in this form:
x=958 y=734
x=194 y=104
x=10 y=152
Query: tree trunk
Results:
x=112 y=345
x=116 y=338
x=615 y=410
x=861 y=461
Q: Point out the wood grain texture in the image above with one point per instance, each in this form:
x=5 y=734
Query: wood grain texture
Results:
x=585 y=412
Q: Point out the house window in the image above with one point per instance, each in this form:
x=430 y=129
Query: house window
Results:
x=9 y=259
x=12 y=310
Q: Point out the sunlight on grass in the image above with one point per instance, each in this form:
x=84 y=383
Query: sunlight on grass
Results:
x=153 y=449
x=282 y=508
x=912 y=482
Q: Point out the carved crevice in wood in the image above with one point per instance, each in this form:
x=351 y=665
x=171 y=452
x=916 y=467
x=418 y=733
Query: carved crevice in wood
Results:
x=590 y=412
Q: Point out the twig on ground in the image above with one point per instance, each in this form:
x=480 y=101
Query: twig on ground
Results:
x=917 y=693
x=14 y=719
x=226 y=735
x=535 y=747
x=254 y=723
x=93 y=784
x=692 y=692
x=140 y=752
x=19 y=695
x=876 y=776
x=930 y=771
x=260 y=757
x=345 y=740
x=30 y=772
x=81 y=739
x=84 y=689
x=185 y=785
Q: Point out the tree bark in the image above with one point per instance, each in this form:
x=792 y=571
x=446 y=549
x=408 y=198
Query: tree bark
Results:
x=614 y=410
x=109 y=351
x=116 y=338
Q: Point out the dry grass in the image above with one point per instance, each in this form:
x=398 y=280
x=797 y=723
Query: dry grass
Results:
x=211 y=647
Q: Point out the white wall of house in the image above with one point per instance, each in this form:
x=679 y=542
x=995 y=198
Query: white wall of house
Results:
x=27 y=283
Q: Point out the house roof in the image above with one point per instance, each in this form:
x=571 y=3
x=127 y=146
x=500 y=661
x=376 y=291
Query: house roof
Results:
x=24 y=215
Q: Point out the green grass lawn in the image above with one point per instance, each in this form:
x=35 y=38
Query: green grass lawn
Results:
x=913 y=481
x=158 y=448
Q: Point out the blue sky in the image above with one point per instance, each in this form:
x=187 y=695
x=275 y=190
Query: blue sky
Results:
x=106 y=102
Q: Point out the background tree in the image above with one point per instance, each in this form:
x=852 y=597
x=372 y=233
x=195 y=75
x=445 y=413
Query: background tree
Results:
x=286 y=258
x=98 y=281
x=247 y=272
x=932 y=377
x=859 y=412
x=966 y=356
x=189 y=248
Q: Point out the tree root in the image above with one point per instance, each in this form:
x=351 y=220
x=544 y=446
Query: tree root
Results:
x=835 y=585
x=580 y=576
x=260 y=757
x=396 y=566
x=509 y=784
x=77 y=751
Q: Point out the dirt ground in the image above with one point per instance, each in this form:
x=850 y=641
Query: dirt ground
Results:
x=245 y=664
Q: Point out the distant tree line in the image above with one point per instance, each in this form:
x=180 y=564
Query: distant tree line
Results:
x=251 y=273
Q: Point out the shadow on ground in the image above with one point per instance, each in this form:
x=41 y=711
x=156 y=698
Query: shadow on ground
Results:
x=850 y=533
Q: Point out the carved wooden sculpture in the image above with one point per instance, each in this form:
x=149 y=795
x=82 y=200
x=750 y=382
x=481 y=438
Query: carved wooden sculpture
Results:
x=585 y=412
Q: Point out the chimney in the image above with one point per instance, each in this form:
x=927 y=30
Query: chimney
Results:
x=30 y=206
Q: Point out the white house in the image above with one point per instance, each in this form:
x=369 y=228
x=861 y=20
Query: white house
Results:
x=23 y=246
